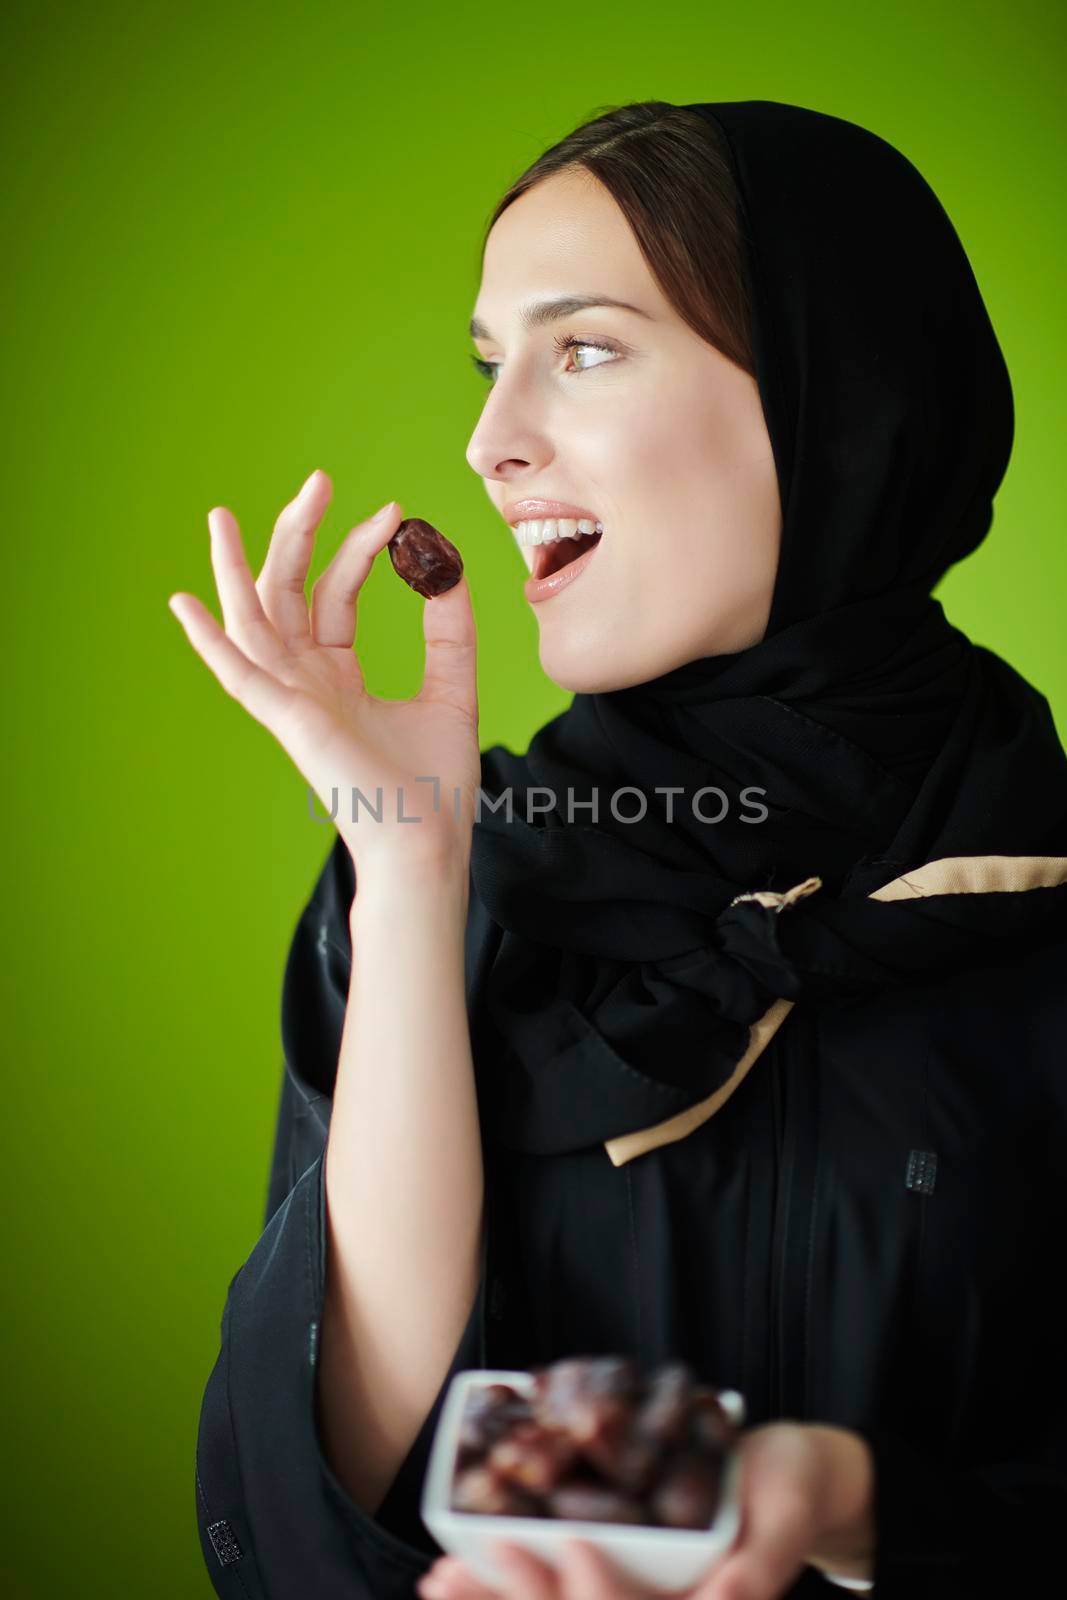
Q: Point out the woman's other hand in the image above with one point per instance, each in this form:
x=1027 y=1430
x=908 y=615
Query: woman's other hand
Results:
x=294 y=669
x=585 y=1574
x=806 y=1498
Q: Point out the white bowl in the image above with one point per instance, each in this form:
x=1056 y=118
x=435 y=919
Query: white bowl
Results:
x=671 y=1557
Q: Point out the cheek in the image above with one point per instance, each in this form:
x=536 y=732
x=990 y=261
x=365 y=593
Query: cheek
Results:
x=658 y=441
x=700 y=531
x=700 y=463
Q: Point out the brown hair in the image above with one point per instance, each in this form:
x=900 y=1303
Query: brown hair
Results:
x=668 y=170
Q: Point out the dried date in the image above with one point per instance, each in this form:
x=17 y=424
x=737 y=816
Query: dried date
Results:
x=710 y=1427
x=688 y=1496
x=596 y=1440
x=595 y=1502
x=663 y=1418
x=424 y=558
x=533 y=1456
x=482 y=1490
x=488 y=1415
x=591 y=1396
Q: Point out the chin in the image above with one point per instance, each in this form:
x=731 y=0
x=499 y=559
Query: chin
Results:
x=589 y=671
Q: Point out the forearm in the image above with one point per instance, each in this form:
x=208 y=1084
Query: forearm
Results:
x=404 y=1181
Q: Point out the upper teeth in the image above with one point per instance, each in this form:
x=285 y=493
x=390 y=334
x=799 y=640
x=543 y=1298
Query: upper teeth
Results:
x=543 y=530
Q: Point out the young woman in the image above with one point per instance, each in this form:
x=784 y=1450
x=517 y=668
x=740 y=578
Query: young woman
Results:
x=726 y=1024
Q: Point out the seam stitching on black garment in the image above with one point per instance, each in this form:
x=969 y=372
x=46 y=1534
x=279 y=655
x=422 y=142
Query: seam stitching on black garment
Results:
x=237 y=1453
x=806 y=1375
x=594 y=1036
x=789 y=1153
x=745 y=1304
x=336 y=948
x=823 y=728
x=209 y=1516
x=407 y=1560
x=920 y=1246
x=290 y=1160
x=808 y=1270
x=307 y=1253
x=637 y=1258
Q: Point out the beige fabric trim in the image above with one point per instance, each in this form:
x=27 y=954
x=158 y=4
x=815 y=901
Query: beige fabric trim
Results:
x=760 y=1034
x=977 y=875
x=949 y=875
x=767 y=897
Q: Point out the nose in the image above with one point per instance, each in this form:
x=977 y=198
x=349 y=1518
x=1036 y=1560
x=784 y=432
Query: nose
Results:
x=507 y=441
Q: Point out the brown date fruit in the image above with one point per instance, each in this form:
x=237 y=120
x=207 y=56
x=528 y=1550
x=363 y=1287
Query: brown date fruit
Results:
x=488 y=1415
x=688 y=1494
x=424 y=558
x=663 y=1417
x=594 y=1398
x=626 y=1462
x=596 y=1440
x=534 y=1457
x=594 y=1502
x=591 y=1395
x=482 y=1490
x=711 y=1428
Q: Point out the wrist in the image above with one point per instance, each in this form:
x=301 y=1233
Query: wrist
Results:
x=428 y=881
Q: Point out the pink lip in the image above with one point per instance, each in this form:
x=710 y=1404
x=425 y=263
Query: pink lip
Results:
x=525 y=510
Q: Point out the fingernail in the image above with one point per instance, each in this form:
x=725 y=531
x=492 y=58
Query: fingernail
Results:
x=380 y=516
x=308 y=482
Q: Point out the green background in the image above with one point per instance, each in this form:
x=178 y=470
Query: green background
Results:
x=240 y=244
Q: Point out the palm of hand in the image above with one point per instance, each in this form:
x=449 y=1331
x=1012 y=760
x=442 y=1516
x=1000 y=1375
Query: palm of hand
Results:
x=293 y=667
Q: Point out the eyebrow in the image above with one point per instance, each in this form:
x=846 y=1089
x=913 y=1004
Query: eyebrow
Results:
x=539 y=312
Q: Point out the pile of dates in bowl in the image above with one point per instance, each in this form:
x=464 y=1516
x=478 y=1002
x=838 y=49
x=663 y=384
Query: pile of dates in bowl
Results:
x=641 y=1464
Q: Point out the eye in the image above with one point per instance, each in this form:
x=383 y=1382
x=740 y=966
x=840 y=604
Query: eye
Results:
x=561 y=344
x=570 y=342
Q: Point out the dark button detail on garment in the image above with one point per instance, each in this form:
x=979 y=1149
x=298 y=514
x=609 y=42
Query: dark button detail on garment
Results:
x=224 y=1543
x=922 y=1171
x=498 y=1296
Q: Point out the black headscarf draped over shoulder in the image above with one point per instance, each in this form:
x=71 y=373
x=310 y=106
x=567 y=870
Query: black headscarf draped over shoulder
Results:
x=628 y=980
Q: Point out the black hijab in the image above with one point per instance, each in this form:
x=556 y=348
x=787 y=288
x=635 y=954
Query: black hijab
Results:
x=627 y=974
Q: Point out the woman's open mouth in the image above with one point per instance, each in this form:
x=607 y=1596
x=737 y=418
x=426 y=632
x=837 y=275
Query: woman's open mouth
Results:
x=561 y=549
x=559 y=565
x=559 y=553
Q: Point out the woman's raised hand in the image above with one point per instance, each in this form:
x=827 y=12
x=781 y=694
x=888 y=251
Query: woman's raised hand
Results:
x=293 y=667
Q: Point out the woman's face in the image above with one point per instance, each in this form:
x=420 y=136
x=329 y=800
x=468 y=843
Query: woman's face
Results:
x=642 y=426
